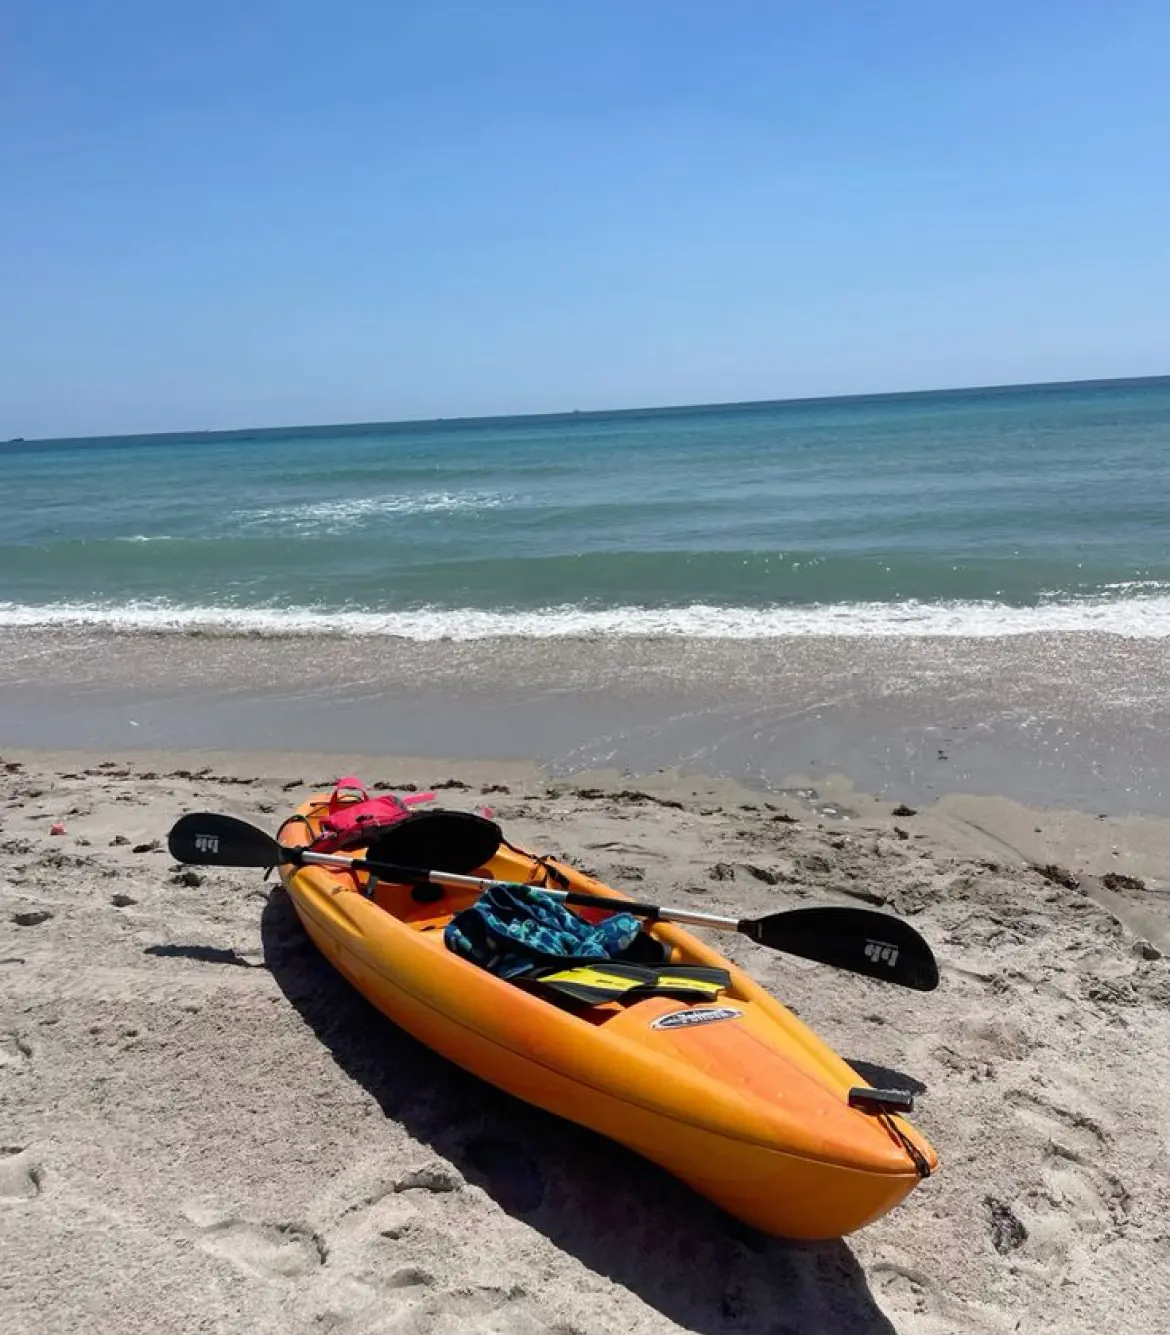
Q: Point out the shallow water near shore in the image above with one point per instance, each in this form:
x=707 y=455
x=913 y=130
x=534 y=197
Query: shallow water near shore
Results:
x=1078 y=721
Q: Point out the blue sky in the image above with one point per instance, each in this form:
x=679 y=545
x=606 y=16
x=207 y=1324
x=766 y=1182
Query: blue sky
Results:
x=217 y=215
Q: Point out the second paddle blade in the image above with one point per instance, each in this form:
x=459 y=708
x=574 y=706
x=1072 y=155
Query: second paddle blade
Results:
x=211 y=840
x=859 y=940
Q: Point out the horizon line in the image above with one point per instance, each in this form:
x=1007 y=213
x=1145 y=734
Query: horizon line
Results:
x=577 y=413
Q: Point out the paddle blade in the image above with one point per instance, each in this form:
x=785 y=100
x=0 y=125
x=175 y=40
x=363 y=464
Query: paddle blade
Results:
x=221 y=841
x=858 y=940
x=438 y=840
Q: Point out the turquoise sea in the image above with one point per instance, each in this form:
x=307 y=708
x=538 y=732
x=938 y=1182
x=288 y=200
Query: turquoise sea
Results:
x=975 y=512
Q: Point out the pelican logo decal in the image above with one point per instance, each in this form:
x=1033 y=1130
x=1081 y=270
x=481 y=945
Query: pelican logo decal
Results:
x=881 y=952
x=696 y=1015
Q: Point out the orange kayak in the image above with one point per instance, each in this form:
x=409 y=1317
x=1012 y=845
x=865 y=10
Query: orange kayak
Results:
x=734 y=1095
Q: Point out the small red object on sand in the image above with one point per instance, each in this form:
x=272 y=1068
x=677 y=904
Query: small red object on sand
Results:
x=58 y=828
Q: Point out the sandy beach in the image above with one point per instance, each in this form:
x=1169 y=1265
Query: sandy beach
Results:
x=204 y=1129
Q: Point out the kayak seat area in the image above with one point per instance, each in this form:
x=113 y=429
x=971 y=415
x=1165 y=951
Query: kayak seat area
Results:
x=645 y=949
x=431 y=915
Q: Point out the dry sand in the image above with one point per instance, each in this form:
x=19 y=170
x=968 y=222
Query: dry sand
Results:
x=202 y=1128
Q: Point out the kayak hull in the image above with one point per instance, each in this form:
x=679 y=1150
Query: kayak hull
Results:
x=750 y=1109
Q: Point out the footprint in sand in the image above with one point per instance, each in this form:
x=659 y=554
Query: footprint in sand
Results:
x=1060 y=1123
x=486 y=1309
x=14 y=1051
x=903 y=1291
x=909 y=1294
x=265 y=1250
x=408 y=1302
x=21 y=1179
x=1076 y=1195
x=1075 y=1199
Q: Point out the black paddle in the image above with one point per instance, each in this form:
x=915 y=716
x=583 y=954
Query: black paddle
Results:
x=858 y=940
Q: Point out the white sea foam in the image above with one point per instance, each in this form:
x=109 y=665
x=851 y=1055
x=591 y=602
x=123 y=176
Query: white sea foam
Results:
x=1146 y=617
x=336 y=516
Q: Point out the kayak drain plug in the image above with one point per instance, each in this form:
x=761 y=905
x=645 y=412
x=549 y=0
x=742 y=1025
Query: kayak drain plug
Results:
x=881 y=1100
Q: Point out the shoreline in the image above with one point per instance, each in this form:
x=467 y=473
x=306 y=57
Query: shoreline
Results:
x=198 y=1106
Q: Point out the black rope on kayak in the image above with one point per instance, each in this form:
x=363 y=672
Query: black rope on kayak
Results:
x=550 y=873
x=921 y=1167
x=555 y=875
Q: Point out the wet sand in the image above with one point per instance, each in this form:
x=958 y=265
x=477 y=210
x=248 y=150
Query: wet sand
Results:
x=1077 y=721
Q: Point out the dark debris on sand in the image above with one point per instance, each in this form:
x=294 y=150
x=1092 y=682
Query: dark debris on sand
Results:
x=1058 y=875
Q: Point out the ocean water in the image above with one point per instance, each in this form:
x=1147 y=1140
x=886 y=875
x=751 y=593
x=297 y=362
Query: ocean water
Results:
x=977 y=512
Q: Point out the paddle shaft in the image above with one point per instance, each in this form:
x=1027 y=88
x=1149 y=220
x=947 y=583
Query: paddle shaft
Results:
x=411 y=875
x=857 y=940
